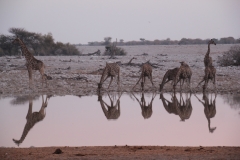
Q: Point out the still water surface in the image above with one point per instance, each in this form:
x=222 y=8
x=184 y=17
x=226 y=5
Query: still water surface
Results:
x=134 y=119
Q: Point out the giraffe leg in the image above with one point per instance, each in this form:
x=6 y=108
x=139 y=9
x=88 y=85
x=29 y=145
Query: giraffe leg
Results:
x=175 y=82
x=181 y=84
x=214 y=82
x=205 y=84
x=200 y=82
x=118 y=79
x=110 y=81
x=44 y=77
x=104 y=80
x=150 y=77
x=30 y=76
x=189 y=84
x=143 y=82
x=138 y=81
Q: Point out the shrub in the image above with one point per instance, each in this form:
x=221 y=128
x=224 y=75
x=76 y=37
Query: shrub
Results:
x=1 y=52
x=118 y=51
x=231 y=57
x=36 y=43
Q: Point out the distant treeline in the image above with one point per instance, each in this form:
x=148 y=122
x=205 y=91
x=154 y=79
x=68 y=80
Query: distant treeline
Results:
x=37 y=44
x=168 y=41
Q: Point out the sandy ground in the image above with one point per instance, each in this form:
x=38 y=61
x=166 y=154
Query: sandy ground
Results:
x=122 y=152
x=66 y=71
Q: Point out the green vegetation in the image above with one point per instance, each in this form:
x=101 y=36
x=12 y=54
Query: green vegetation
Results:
x=168 y=41
x=37 y=44
x=231 y=57
x=112 y=50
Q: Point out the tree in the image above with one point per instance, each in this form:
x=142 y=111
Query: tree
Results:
x=107 y=40
x=228 y=40
x=6 y=45
x=36 y=43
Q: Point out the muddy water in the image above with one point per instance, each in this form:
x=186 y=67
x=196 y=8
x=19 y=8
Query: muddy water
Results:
x=114 y=119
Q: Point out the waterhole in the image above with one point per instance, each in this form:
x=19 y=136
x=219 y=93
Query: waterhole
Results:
x=120 y=119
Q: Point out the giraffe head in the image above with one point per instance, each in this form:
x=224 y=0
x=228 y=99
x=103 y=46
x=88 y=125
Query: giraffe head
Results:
x=182 y=63
x=211 y=42
x=16 y=40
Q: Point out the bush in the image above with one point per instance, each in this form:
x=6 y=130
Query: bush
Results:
x=1 y=52
x=118 y=51
x=36 y=43
x=231 y=57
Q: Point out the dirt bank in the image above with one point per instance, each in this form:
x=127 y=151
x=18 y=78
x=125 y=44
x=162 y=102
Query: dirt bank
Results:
x=123 y=152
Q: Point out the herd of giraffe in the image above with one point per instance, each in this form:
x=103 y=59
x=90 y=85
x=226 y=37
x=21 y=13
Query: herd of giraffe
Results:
x=181 y=74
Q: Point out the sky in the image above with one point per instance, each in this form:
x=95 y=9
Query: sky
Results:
x=83 y=21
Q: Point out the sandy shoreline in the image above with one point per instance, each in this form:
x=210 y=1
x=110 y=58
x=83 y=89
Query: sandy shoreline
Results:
x=122 y=152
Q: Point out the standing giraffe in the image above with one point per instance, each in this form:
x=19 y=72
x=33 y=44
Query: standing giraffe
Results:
x=111 y=70
x=207 y=58
x=146 y=72
x=210 y=73
x=32 y=63
x=184 y=72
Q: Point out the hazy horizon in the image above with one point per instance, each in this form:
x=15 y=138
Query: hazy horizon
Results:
x=90 y=20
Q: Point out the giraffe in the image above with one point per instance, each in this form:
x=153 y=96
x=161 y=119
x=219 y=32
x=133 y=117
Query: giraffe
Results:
x=184 y=73
x=169 y=76
x=111 y=70
x=207 y=58
x=146 y=72
x=33 y=118
x=146 y=109
x=111 y=111
x=209 y=109
x=32 y=63
x=183 y=108
x=210 y=74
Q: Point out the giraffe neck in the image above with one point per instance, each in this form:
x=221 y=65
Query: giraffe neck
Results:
x=164 y=79
x=103 y=75
x=25 y=51
x=208 y=51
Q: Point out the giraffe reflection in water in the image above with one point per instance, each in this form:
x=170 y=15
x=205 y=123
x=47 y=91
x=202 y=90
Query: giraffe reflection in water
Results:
x=33 y=118
x=146 y=109
x=182 y=108
x=111 y=111
x=209 y=108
